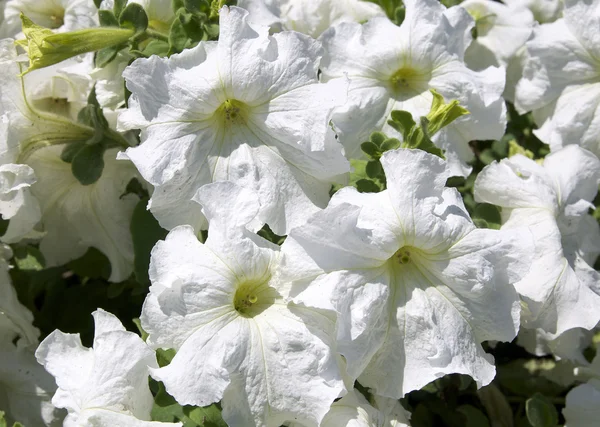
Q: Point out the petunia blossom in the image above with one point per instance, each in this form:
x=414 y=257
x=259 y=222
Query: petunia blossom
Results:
x=582 y=406
x=417 y=287
x=58 y=15
x=561 y=82
x=310 y=17
x=247 y=108
x=500 y=32
x=562 y=290
x=394 y=68
x=222 y=306
x=39 y=186
x=103 y=386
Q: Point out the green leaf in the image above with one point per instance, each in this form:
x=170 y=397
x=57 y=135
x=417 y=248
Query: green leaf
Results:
x=93 y=264
x=4 y=223
x=134 y=17
x=192 y=25
x=367 y=186
x=164 y=357
x=500 y=148
x=118 y=7
x=106 y=55
x=138 y=323
x=145 y=232
x=374 y=169
x=399 y=15
x=487 y=156
x=496 y=405
x=2 y=419
x=378 y=138
x=28 y=258
x=165 y=408
x=267 y=233
x=370 y=149
x=212 y=31
x=403 y=122
x=208 y=416
x=87 y=165
x=474 y=417
x=107 y=18
x=176 y=5
x=540 y=411
x=196 y=6
x=156 y=47
x=490 y=213
x=390 y=144
x=70 y=150
x=178 y=38
x=519 y=379
x=135 y=187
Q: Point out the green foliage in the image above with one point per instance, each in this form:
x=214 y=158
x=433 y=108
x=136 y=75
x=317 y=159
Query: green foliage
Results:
x=419 y=136
x=88 y=163
x=368 y=175
x=28 y=258
x=267 y=233
x=87 y=157
x=541 y=412
x=45 y=48
x=3 y=422
x=195 y=21
x=134 y=17
x=145 y=232
x=394 y=9
x=166 y=409
x=487 y=216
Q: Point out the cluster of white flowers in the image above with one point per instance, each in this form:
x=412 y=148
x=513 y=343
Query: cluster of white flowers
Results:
x=390 y=289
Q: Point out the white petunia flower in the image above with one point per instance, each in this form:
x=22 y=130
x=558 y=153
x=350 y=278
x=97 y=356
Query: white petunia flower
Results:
x=221 y=306
x=58 y=15
x=160 y=12
x=543 y=10
x=582 y=407
x=567 y=346
x=310 y=17
x=76 y=217
x=16 y=201
x=501 y=31
x=353 y=410
x=416 y=286
x=110 y=83
x=561 y=78
x=562 y=291
x=15 y=319
x=248 y=109
x=394 y=68
x=61 y=89
x=392 y=412
x=26 y=389
x=103 y=386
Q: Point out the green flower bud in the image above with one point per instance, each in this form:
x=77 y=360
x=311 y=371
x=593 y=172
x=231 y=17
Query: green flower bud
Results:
x=46 y=48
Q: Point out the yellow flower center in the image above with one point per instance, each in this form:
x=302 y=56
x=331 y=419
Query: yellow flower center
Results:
x=253 y=297
x=232 y=111
x=402 y=255
x=409 y=81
